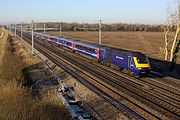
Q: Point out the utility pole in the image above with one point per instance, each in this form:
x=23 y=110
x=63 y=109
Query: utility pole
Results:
x=60 y=30
x=15 y=30
x=21 y=30
x=32 y=38
x=34 y=27
x=100 y=30
x=44 y=28
x=10 y=28
x=97 y=29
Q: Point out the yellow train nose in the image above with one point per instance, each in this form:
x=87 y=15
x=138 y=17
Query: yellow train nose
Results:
x=140 y=65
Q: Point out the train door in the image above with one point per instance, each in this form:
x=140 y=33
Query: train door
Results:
x=73 y=45
x=109 y=56
x=49 y=39
x=59 y=41
x=130 y=63
x=97 y=53
x=101 y=54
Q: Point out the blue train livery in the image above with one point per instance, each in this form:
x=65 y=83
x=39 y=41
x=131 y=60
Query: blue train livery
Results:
x=132 y=61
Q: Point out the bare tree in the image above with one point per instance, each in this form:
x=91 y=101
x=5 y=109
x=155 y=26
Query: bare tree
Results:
x=176 y=35
x=172 y=20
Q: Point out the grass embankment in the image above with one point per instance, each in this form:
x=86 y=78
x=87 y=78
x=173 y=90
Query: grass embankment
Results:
x=16 y=101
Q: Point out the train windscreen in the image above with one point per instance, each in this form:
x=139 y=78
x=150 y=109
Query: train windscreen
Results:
x=141 y=58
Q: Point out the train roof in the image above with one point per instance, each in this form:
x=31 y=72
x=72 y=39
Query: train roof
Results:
x=95 y=45
x=89 y=44
x=52 y=36
x=68 y=39
x=45 y=34
x=121 y=51
x=79 y=42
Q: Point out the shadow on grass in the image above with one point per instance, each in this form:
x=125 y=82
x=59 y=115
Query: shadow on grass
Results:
x=36 y=77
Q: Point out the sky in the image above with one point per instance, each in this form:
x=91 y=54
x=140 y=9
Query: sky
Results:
x=84 y=11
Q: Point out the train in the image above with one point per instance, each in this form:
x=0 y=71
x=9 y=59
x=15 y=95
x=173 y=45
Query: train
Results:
x=132 y=62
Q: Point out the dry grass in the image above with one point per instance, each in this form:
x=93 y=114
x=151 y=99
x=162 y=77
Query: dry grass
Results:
x=16 y=101
x=2 y=45
x=17 y=104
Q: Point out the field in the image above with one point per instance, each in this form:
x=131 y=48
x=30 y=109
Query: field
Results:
x=150 y=43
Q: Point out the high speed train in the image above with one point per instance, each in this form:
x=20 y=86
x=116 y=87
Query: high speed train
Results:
x=133 y=62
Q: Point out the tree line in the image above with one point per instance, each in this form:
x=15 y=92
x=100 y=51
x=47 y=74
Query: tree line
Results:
x=106 y=27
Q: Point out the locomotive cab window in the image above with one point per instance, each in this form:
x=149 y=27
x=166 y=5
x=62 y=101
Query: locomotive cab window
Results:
x=142 y=59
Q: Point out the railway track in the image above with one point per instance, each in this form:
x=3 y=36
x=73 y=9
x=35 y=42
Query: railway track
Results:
x=119 y=83
x=152 y=85
x=160 y=89
x=107 y=92
x=149 y=83
x=169 y=88
x=92 y=83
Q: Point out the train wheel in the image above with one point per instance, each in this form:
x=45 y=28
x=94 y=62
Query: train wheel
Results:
x=125 y=71
x=108 y=64
x=117 y=68
x=120 y=69
x=129 y=72
x=98 y=60
x=136 y=76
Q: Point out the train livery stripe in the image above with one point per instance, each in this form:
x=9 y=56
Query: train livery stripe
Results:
x=97 y=51
x=144 y=65
x=73 y=45
x=49 y=39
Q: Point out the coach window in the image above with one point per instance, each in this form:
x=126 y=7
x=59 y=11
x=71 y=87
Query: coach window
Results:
x=91 y=50
x=87 y=49
x=69 y=43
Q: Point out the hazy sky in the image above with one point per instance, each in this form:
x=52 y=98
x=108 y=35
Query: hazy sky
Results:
x=110 y=11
